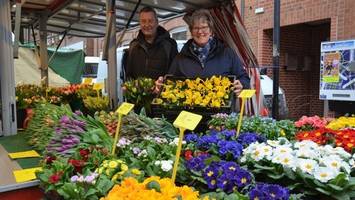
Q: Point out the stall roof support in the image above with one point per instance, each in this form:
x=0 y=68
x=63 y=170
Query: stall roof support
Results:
x=17 y=27
x=112 y=55
x=8 y=125
x=43 y=48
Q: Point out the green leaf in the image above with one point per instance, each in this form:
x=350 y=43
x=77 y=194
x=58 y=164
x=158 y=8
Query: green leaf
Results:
x=264 y=167
x=275 y=176
x=90 y=192
x=321 y=190
x=104 y=185
x=335 y=187
x=289 y=173
x=340 y=180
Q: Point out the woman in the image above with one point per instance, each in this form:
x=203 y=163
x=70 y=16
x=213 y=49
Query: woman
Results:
x=205 y=56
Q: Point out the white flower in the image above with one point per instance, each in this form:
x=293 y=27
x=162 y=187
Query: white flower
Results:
x=334 y=162
x=324 y=174
x=306 y=144
x=282 y=150
x=143 y=153
x=157 y=163
x=273 y=143
x=352 y=163
x=307 y=165
x=166 y=165
x=160 y=140
x=307 y=153
x=267 y=151
x=176 y=142
x=342 y=153
x=287 y=160
x=123 y=142
x=147 y=137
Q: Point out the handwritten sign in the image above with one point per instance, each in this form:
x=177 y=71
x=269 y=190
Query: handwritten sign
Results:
x=187 y=120
x=25 y=175
x=125 y=108
x=246 y=94
x=24 y=154
x=98 y=86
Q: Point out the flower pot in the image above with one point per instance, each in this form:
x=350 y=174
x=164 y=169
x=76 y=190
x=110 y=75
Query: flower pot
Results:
x=20 y=117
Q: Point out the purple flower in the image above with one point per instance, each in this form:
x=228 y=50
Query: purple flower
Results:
x=243 y=178
x=228 y=134
x=211 y=172
x=74 y=178
x=230 y=168
x=197 y=163
x=136 y=150
x=78 y=112
x=230 y=147
x=269 y=191
x=206 y=141
x=225 y=183
x=191 y=137
x=247 y=138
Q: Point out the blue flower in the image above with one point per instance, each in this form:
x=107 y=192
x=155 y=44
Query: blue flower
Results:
x=197 y=163
x=225 y=183
x=228 y=134
x=230 y=168
x=269 y=191
x=206 y=141
x=211 y=172
x=247 y=138
x=231 y=147
x=243 y=178
x=191 y=137
x=212 y=184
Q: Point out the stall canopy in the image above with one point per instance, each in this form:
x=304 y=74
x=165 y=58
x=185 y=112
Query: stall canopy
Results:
x=87 y=18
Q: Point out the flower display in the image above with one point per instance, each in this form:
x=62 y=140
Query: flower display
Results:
x=342 y=123
x=268 y=127
x=310 y=123
x=264 y=191
x=139 y=92
x=341 y=138
x=319 y=166
x=151 y=188
x=212 y=92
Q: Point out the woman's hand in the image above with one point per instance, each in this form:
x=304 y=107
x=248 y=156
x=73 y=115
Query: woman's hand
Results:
x=158 y=85
x=237 y=87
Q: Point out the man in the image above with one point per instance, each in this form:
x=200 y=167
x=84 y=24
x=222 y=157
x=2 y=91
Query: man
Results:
x=152 y=52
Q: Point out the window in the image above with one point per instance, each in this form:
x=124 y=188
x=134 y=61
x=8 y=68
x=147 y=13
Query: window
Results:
x=179 y=33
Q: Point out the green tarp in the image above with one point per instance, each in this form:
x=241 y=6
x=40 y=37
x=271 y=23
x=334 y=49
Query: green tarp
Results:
x=68 y=64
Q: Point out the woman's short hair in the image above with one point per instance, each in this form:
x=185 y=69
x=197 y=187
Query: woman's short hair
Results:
x=200 y=15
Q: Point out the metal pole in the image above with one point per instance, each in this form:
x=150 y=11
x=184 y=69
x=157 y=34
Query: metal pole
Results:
x=17 y=27
x=8 y=125
x=43 y=48
x=242 y=9
x=275 y=60
x=112 y=56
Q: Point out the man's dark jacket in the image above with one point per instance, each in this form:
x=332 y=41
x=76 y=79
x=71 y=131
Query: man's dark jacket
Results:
x=221 y=60
x=150 y=60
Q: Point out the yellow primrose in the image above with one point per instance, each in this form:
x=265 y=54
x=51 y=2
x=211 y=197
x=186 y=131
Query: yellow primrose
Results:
x=112 y=164
x=136 y=171
x=124 y=167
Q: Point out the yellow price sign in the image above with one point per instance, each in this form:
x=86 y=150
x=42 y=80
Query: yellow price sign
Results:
x=98 y=86
x=246 y=94
x=87 y=81
x=125 y=108
x=24 y=154
x=187 y=120
x=25 y=175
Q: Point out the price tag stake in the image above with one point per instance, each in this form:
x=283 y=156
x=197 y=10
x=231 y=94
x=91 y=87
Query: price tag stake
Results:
x=185 y=120
x=124 y=109
x=245 y=94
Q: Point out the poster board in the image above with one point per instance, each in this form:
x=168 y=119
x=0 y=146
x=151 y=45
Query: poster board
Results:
x=337 y=71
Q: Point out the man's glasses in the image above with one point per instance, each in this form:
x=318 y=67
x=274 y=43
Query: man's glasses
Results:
x=202 y=29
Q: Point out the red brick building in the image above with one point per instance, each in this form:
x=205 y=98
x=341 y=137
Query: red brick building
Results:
x=304 y=25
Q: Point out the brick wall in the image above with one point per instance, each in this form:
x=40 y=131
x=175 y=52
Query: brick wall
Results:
x=304 y=24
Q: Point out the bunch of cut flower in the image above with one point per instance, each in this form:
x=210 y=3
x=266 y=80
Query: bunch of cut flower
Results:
x=153 y=188
x=139 y=92
x=77 y=129
x=305 y=166
x=212 y=92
